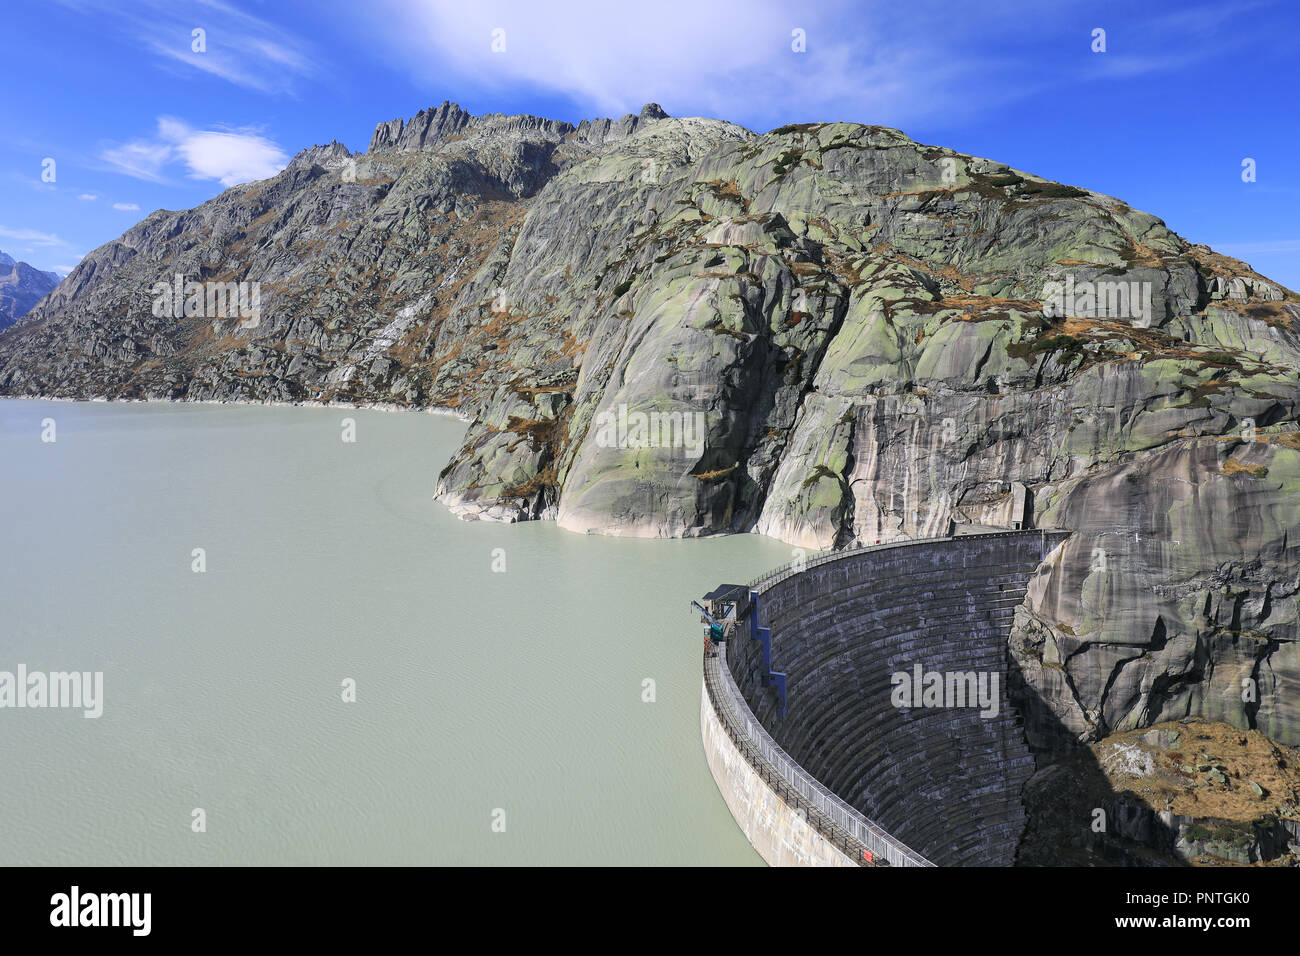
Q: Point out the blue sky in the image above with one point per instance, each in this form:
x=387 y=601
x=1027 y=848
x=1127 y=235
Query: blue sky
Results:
x=135 y=119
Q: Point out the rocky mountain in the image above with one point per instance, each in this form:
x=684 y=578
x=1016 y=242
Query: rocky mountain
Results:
x=1188 y=791
x=21 y=287
x=827 y=333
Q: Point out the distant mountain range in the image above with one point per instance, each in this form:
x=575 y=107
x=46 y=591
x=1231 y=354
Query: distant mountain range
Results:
x=21 y=287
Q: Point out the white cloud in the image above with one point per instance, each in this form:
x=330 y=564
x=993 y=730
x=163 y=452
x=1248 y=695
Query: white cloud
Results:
x=617 y=56
x=873 y=61
x=126 y=206
x=32 y=236
x=87 y=197
x=228 y=156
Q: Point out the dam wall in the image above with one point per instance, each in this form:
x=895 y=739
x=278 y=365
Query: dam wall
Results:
x=769 y=815
x=931 y=766
x=788 y=816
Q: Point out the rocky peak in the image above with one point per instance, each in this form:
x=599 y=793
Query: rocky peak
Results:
x=522 y=123
x=431 y=128
x=330 y=156
x=424 y=130
x=434 y=128
x=597 y=132
x=519 y=152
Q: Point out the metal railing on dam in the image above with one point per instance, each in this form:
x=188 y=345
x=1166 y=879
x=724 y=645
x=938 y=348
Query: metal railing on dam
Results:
x=913 y=785
x=835 y=820
x=777 y=575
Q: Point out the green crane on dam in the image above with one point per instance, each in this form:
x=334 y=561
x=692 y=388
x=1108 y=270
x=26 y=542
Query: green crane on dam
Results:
x=721 y=614
x=728 y=604
x=717 y=632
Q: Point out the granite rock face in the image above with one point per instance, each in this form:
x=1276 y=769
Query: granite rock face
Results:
x=827 y=333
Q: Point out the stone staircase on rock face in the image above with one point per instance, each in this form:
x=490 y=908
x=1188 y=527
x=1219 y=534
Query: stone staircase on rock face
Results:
x=944 y=780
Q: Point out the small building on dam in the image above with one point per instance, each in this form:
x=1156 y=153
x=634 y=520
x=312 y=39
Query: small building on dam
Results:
x=855 y=706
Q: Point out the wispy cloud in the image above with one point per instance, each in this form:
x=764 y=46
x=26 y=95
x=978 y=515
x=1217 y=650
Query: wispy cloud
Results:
x=31 y=235
x=1206 y=17
x=228 y=156
x=126 y=206
x=867 y=60
x=140 y=159
x=32 y=182
x=617 y=56
x=234 y=46
x=87 y=197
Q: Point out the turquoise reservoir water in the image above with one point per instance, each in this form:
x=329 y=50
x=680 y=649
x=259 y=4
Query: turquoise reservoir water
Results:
x=476 y=690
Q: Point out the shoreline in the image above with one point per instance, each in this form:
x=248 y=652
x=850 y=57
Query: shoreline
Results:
x=366 y=406
x=493 y=513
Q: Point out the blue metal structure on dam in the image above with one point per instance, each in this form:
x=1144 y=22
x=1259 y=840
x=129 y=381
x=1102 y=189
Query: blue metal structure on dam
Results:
x=728 y=605
x=763 y=635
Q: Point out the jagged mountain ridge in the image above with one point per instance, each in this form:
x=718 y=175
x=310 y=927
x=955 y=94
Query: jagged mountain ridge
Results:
x=21 y=287
x=859 y=320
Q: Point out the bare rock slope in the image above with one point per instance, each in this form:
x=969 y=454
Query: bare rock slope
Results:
x=828 y=333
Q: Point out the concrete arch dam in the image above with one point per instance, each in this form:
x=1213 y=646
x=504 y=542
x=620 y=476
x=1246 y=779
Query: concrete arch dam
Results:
x=859 y=712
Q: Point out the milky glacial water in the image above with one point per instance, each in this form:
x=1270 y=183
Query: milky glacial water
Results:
x=475 y=690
